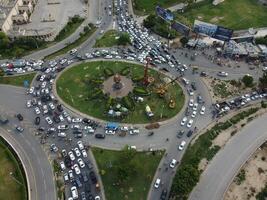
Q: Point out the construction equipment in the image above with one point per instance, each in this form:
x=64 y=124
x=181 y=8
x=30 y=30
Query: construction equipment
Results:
x=172 y=103
x=145 y=79
x=162 y=88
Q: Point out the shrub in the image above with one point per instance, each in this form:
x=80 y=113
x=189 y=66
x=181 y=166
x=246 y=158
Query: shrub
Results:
x=108 y=72
x=140 y=91
x=97 y=93
x=125 y=71
x=128 y=102
x=137 y=78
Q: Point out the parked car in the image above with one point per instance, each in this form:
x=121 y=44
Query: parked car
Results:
x=157 y=183
x=20 y=117
x=173 y=163
x=182 y=145
x=93 y=177
x=100 y=136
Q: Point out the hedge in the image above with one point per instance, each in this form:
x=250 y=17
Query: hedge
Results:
x=125 y=71
x=137 y=78
x=128 y=102
x=108 y=72
x=140 y=91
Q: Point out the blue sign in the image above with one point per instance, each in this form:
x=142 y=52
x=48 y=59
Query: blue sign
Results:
x=26 y=83
x=164 y=14
x=181 y=28
x=214 y=31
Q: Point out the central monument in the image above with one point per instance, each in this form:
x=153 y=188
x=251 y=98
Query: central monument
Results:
x=117 y=85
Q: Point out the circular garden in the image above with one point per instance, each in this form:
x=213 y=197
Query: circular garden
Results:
x=118 y=91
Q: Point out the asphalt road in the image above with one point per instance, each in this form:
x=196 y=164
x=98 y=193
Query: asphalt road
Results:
x=41 y=179
x=227 y=162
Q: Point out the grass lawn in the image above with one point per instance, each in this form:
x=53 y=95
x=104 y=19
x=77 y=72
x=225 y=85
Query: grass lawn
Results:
x=9 y=187
x=74 y=91
x=144 y=7
x=73 y=45
x=235 y=14
x=108 y=39
x=17 y=80
x=138 y=185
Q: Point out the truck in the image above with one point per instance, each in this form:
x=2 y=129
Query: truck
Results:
x=149 y=113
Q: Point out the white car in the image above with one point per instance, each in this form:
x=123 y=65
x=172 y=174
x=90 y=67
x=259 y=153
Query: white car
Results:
x=181 y=146
x=173 y=163
x=73 y=51
x=62 y=166
x=222 y=74
x=28 y=104
x=191 y=102
x=195 y=106
x=81 y=163
x=84 y=153
x=77 y=152
x=157 y=183
x=66 y=177
x=194 y=113
x=74 y=192
x=183 y=121
x=37 y=110
x=48 y=120
x=61 y=118
x=71 y=175
x=110 y=132
x=52 y=106
x=89 y=129
x=80 y=145
x=76 y=169
x=202 y=111
x=76 y=120
x=134 y=131
x=71 y=155
x=189 y=124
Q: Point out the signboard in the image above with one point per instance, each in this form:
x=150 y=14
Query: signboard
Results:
x=181 y=28
x=164 y=14
x=214 y=31
x=223 y=34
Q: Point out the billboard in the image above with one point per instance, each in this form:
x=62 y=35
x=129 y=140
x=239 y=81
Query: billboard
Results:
x=181 y=28
x=214 y=31
x=223 y=34
x=164 y=14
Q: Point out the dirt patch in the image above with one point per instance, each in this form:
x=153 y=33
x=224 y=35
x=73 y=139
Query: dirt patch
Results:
x=216 y=19
x=255 y=178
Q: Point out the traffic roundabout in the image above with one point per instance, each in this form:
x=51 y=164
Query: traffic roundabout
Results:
x=120 y=91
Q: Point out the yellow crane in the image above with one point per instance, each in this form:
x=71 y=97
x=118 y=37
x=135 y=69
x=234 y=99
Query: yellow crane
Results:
x=163 y=88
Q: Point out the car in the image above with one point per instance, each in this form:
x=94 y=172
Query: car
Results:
x=85 y=177
x=66 y=177
x=53 y=148
x=61 y=118
x=62 y=165
x=157 y=183
x=71 y=174
x=52 y=106
x=99 y=136
x=63 y=153
x=84 y=153
x=97 y=197
x=81 y=163
x=77 y=152
x=110 y=132
x=93 y=177
x=76 y=120
x=28 y=104
x=189 y=133
x=63 y=127
x=37 y=110
x=80 y=145
x=19 y=129
x=189 y=124
x=181 y=146
x=20 y=117
x=202 y=110
x=83 y=196
x=73 y=51
x=37 y=120
x=194 y=113
x=74 y=192
x=180 y=134
x=195 y=106
x=62 y=135
x=163 y=195
x=183 y=121
x=71 y=155
x=222 y=74
x=48 y=120
x=76 y=169
x=173 y=163
x=191 y=102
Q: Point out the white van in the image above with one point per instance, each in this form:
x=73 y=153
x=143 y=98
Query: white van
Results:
x=74 y=192
x=61 y=134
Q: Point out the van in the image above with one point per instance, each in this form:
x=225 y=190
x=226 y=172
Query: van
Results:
x=61 y=134
x=74 y=192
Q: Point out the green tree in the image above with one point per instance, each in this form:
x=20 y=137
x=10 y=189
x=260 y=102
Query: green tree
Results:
x=183 y=41
x=263 y=81
x=150 y=21
x=2 y=73
x=4 y=41
x=124 y=39
x=248 y=80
